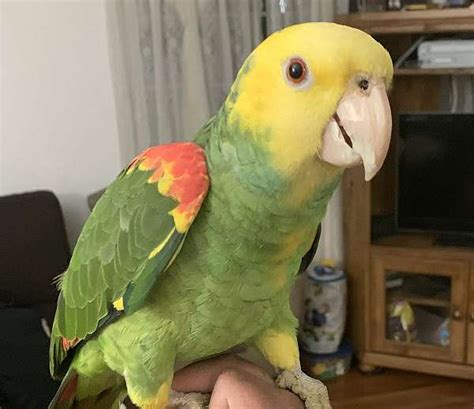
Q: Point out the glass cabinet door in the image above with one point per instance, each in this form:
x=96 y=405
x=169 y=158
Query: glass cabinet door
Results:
x=419 y=307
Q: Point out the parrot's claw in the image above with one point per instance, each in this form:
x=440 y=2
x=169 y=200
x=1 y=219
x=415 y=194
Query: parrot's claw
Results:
x=191 y=400
x=313 y=392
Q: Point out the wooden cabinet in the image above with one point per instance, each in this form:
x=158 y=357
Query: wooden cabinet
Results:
x=389 y=276
x=433 y=289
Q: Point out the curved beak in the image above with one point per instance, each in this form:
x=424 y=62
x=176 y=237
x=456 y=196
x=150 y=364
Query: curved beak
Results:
x=359 y=131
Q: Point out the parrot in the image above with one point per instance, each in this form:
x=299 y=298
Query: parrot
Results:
x=194 y=248
x=404 y=311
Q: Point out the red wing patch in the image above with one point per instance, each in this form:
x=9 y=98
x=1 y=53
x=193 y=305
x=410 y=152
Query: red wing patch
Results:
x=180 y=172
x=69 y=343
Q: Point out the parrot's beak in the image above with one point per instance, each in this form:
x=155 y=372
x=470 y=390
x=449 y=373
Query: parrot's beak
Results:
x=359 y=131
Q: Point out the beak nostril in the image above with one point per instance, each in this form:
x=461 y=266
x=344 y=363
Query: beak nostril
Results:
x=364 y=85
x=343 y=131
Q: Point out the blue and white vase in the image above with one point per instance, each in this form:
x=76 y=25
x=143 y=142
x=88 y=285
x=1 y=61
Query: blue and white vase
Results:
x=325 y=299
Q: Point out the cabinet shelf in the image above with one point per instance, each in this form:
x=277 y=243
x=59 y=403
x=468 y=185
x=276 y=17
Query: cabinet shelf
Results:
x=407 y=22
x=434 y=71
x=418 y=289
x=418 y=245
x=417 y=300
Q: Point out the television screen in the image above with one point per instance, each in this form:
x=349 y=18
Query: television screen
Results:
x=436 y=172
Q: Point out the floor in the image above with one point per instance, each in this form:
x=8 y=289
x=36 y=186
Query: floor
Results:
x=394 y=389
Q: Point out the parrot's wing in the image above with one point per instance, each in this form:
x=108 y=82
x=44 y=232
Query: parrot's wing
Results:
x=308 y=257
x=133 y=234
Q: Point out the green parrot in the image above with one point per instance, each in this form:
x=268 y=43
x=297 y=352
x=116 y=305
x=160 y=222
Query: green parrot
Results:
x=195 y=247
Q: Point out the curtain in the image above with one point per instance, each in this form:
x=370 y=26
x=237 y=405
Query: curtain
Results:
x=173 y=62
x=282 y=13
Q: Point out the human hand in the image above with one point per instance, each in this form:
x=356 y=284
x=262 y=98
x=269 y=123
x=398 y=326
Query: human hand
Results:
x=234 y=383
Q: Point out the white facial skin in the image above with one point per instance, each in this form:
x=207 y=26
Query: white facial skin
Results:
x=365 y=116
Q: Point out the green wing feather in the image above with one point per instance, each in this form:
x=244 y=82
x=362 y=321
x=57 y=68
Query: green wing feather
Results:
x=114 y=258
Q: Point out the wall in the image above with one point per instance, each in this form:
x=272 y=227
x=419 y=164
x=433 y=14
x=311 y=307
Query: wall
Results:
x=58 y=128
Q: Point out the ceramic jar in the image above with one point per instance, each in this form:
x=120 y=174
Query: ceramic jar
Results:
x=325 y=298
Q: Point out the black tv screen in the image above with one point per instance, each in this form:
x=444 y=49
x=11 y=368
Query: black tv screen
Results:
x=436 y=172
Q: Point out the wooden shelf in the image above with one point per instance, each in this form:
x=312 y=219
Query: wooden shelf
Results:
x=421 y=289
x=428 y=302
x=417 y=300
x=400 y=22
x=418 y=243
x=434 y=71
x=410 y=240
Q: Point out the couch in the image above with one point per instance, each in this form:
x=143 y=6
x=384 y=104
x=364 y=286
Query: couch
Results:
x=33 y=251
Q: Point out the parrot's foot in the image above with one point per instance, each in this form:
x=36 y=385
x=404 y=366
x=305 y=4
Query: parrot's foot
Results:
x=192 y=400
x=313 y=392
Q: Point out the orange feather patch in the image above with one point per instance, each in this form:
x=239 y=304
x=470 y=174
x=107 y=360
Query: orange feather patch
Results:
x=69 y=343
x=180 y=172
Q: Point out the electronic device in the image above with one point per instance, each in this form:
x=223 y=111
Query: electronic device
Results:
x=446 y=54
x=435 y=177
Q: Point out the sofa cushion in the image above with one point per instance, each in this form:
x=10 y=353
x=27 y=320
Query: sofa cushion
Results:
x=33 y=247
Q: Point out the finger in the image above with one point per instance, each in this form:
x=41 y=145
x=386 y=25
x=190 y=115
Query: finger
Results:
x=239 y=389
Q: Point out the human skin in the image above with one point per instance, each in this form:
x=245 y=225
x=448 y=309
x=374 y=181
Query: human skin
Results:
x=234 y=383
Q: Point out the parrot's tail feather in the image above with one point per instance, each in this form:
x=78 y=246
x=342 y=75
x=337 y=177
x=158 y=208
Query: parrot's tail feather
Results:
x=64 y=398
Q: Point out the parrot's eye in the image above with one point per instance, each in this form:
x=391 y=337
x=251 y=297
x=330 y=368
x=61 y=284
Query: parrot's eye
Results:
x=296 y=71
x=364 y=85
x=297 y=74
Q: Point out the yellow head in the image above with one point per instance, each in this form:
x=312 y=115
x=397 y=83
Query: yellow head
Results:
x=315 y=93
